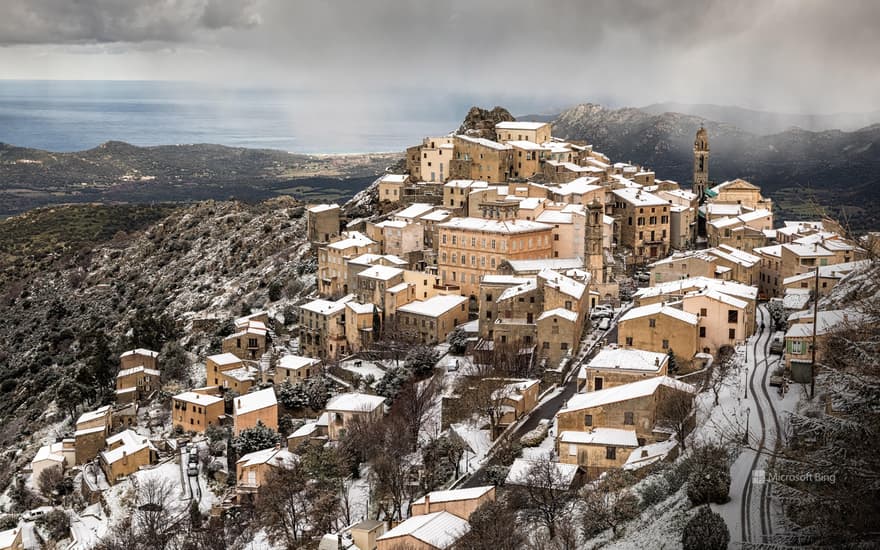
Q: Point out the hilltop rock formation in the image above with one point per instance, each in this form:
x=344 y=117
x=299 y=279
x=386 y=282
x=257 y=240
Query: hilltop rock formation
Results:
x=481 y=122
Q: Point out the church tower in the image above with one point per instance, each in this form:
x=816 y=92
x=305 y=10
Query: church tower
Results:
x=701 y=163
x=593 y=252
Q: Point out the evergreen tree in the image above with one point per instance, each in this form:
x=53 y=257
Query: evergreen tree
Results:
x=421 y=360
x=255 y=439
x=705 y=531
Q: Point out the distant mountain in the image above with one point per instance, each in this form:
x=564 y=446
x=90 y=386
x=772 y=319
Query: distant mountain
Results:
x=765 y=122
x=119 y=172
x=839 y=170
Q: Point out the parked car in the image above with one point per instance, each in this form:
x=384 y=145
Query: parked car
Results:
x=36 y=513
x=642 y=276
x=601 y=311
x=605 y=323
x=777 y=344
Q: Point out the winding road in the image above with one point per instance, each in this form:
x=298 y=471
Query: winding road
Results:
x=756 y=522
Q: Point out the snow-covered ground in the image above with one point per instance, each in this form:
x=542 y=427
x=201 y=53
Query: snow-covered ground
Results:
x=364 y=368
x=478 y=441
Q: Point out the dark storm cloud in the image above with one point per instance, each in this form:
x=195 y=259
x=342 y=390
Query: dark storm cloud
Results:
x=109 y=21
x=781 y=54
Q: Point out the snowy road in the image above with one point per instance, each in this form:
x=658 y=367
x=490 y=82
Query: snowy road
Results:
x=764 y=429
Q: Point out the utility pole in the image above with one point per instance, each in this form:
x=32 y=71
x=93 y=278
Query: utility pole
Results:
x=815 y=319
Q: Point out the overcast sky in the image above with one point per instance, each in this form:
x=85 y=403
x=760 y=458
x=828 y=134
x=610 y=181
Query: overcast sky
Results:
x=788 y=55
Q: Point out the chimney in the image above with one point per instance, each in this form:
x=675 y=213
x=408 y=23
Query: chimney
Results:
x=428 y=503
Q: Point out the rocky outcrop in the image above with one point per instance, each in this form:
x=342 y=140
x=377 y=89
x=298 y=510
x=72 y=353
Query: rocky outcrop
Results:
x=481 y=122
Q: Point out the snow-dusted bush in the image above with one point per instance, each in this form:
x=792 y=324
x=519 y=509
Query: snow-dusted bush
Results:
x=705 y=531
x=654 y=490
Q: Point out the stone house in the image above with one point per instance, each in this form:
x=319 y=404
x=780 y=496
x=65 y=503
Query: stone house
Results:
x=322 y=328
x=139 y=357
x=482 y=159
x=250 y=341
x=630 y=406
x=460 y=502
x=724 y=320
x=126 y=453
x=470 y=248
x=614 y=366
x=322 y=223
x=48 y=456
x=194 y=411
x=216 y=364
x=659 y=328
x=314 y=432
x=359 y=325
x=644 y=223
x=332 y=273
x=533 y=132
x=598 y=450
x=519 y=398
x=391 y=187
x=136 y=383
x=252 y=408
x=434 y=531
x=92 y=429
x=296 y=369
x=345 y=407
x=252 y=469
x=433 y=319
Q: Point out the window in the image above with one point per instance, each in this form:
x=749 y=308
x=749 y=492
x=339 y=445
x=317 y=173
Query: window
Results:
x=732 y=316
x=554 y=329
x=572 y=450
x=665 y=344
x=545 y=345
x=628 y=418
x=731 y=334
x=563 y=346
x=611 y=453
x=588 y=420
x=568 y=305
x=702 y=332
x=652 y=323
x=488 y=297
x=796 y=347
x=629 y=340
x=556 y=237
x=703 y=312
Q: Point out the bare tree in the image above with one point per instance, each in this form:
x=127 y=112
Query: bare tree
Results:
x=413 y=404
x=675 y=412
x=154 y=523
x=610 y=504
x=493 y=527
x=392 y=469
x=547 y=493
x=49 y=480
x=282 y=507
x=720 y=373
x=486 y=397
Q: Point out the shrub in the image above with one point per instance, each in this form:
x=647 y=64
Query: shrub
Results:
x=255 y=439
x=705 y=531
x=708 y=485
x=56 y=523
x=496 y=474
x=654 y=491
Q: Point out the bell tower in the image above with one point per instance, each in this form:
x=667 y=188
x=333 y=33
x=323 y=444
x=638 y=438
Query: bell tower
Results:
x=701 y=163
x=593 y=252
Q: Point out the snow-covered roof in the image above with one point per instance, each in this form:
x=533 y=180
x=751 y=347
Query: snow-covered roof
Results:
x=96 y=414
x=433 y=307
x=242 y=374
x=323 y=208
x=353 y=238
x=271 y=456
x=527 y=145
x=8 y=537
x=675 y=287
x=198 y=398
x=381 y=272
x=774 y=250
x=140 y=351
x=437 y=215
x=50 y=452
x=628 y=359
x=504 y=279
x=306 y=429
x=807 y=250
x=718 y=296
x=638 y=197
x=519 y=472
x=455 y=494
x=755 y=215
x=623 y=392
x=485 y=143
x=563 y=284
x=520 y=125
x=354 y=402
x=660 y=309
x=601 y=436
x=834 y=271
x=439 y=529
x=528 y=285
x=734 y=255
x=649 y=454
x=684 y=255
x=224 y=359
x=255 y=401
x=397 y=288
x=394 y=178
x=326 y=307
x=294 y=362
x=362 y=308
x=826 y=321
x=131 y=443
x=559 y=312
x=495 y=226
x=135 y=370
x=394 y=224
x=414 y=210
x=577 y=186
x=464 y=184
x=535 y=266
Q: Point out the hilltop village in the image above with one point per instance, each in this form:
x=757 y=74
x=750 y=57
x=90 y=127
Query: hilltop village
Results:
x=506 y=327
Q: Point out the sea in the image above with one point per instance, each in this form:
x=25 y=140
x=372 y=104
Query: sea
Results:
x=77 y=115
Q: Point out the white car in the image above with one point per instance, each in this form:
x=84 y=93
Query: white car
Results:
x=605 y=324
x=601 y=311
